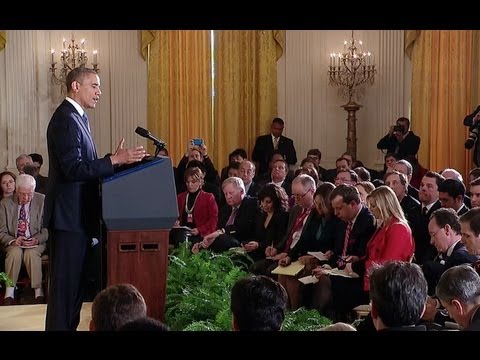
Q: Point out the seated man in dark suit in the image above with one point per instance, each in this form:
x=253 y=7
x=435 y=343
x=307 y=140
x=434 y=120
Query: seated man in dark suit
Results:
x=446 y=235
x=42 y=181
x=265 y=145
x=459 y=292
x=398 y=292
x=236 y=221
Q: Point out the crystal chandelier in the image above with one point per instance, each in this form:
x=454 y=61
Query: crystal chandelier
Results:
x=71 y=56
x=351 y=70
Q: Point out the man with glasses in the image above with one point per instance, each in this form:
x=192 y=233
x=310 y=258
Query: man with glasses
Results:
x=348 y=177
x=23 y=236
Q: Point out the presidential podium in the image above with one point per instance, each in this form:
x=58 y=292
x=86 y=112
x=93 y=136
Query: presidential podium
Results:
x=139 y=207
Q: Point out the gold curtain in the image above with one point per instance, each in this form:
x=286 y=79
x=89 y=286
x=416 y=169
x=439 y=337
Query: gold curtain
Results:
x=179 y=87
x=3 y=39
x=245 y=88
x=442 y=75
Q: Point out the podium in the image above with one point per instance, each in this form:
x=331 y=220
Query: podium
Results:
x=139 y=207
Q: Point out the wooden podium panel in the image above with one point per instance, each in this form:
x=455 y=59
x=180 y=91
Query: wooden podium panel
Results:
x=140 y=258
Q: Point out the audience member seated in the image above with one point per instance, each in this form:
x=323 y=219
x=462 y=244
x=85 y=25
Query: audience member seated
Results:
x=208 y=187
x=247 y=174
x=451 y=193
x=454 y=174
x=339 y=326
x=348 y=177
x=446 y=235
x=363 y=173
x=271 y=225
x=459 y=292
x=7 y=184
x=258 y=303
x=358 y=225
x=42 y=181
x=235 y=157
x=279 y=176
x=198 y=210
x=390 y=160
x=404 y=167
x=398 y=292
x=144 y=324
x=116 y=306
x=23 y=236
x=236 y=222
x=364 y=188
x=21 y=161
x=316 y=156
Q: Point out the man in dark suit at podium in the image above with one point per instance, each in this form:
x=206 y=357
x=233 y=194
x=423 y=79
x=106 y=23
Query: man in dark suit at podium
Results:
x=265 y=145
x=72 y=205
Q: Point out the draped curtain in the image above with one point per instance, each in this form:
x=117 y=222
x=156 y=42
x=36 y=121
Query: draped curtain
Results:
x=245 y=87
x=3 y=39
x=444 y=90
x=179 y=87
x=180 y=103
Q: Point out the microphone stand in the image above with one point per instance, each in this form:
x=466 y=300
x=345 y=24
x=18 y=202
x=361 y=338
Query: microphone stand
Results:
x=159 y=147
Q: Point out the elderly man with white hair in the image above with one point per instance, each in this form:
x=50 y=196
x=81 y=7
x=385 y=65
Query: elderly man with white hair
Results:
x=22 y=236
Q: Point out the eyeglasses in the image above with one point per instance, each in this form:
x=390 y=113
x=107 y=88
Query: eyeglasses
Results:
x=300 y=196
x=343 y=179
x=435 y=233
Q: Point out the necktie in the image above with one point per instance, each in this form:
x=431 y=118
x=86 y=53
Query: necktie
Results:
x=424 y=211
x=275 y=143
x=348 y=230
x=22 y=222
x=231 y=219
x=85 y=120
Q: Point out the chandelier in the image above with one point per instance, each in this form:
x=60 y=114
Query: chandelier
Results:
x=71 y=56
x=351 y=70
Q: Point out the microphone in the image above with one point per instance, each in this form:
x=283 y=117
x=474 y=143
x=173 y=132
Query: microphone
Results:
x=146 y=134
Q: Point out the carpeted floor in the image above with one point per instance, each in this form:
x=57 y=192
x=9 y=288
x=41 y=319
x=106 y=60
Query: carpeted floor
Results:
x=32 y=317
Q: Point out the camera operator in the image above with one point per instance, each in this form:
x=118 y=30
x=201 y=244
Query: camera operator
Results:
x=400 y=140
x=472 y=121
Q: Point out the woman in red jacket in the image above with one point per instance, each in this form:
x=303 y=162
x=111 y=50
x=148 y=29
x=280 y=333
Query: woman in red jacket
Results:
x=198 y=211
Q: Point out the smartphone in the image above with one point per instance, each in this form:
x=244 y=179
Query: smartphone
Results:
x=198 y=142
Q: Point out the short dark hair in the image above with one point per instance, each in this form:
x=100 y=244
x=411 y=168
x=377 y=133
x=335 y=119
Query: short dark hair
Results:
x=144 y=324
x=362 y=173
x=348 y=193
x=236 y=152
x=37 y=158
x=447 y=216
x=435 y=175
x=279 y=121
x=315 y=152
x=472 y=217
x=475 y=173
x=78 y=74
x=452 y=187
x=258 y=303
x=407 y=120
x=398 y=290
x=116 y=305
x=460 y=282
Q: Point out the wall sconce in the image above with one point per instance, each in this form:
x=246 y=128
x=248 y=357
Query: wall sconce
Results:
x=71 y=56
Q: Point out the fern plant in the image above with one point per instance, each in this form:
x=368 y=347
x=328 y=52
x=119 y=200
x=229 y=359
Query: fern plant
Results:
x=198 y=292
x=4 y=278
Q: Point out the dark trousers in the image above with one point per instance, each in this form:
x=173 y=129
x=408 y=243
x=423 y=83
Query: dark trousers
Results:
x=68 y=252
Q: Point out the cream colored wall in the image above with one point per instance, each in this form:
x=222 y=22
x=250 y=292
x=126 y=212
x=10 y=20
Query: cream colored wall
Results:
x=28 y=99
x=311 y=107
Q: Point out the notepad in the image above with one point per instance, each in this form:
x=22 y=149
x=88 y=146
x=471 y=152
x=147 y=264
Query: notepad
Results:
x=318 y=254
x=293 y=269
x=337 y=272
x=310 y=279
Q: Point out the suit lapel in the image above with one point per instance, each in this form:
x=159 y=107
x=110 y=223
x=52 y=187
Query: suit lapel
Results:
x=87 y=134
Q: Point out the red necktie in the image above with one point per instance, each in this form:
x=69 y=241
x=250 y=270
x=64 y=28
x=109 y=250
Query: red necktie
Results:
x=22 y=222
x=348 y=230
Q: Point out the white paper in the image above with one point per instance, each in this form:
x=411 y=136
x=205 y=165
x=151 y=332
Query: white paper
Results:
x=318 y=254
x=337 y=272
x=310 y=279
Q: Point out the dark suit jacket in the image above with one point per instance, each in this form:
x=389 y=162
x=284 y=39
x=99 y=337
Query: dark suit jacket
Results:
x=307 y=241
x=243 y=228
x=72 y=200
x=475 y=323
x=424 y=251
x=360 y=234
x=274 y=232
x=263 y=150
x=435 y=268
x=409 y=145
x=42 y=184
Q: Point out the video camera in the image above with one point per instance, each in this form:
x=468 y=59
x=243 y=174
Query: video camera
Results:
x=474 y=129
x=398 y=128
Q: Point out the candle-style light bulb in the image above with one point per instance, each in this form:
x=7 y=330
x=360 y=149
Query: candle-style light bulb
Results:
x=82 y=43
x=52 y=52
x=95 y=57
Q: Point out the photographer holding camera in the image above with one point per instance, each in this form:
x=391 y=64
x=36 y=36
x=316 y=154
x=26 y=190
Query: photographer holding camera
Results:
x=473 y=122
x=400 y=140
